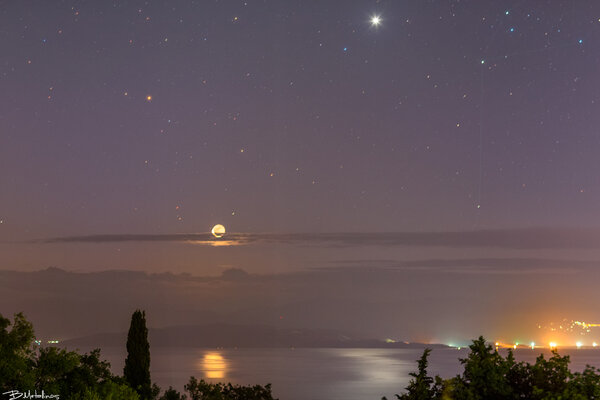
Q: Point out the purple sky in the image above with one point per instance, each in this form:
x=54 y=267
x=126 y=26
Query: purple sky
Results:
x=286 y=117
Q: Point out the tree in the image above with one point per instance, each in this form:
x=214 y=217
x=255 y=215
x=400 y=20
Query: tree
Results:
x=586 y=383
x=551 y=378
x=484 y=376
x=68 y=374
x=74 y=376
x=519 y=377
x=107 y=391
x=55 y=369
x=172 y=394
x=137 y=363
x=487 y=375
x=422 y=386
x=16 y=353
x=91 y=372
x=202 y=390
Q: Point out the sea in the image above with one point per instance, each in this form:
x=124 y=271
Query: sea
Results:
x=314 y=373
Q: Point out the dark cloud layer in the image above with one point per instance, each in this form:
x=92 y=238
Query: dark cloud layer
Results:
x=409 y=300
x=475 y=265
x=531 y=238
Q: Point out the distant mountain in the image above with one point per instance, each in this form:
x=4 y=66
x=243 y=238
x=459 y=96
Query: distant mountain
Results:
x=245 y=336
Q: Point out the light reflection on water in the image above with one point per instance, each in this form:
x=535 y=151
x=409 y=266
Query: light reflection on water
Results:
x=376 y=364
x=316 y=374
x=296 y=374
x=214 y=366
x=302 y=373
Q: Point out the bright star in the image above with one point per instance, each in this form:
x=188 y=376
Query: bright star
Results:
x=375 y=20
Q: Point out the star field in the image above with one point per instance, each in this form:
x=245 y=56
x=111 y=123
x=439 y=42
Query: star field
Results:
x=151 y=116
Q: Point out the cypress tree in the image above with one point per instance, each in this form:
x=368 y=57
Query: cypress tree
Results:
x=137 y=363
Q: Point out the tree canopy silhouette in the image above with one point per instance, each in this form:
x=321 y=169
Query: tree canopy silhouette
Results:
x=137 y=364
x=487 y=375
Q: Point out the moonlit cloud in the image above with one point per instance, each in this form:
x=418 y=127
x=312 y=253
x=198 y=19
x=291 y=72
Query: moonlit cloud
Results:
x=532 y=238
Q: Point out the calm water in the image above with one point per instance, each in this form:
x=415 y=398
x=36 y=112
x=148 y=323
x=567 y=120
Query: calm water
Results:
x=316 y=374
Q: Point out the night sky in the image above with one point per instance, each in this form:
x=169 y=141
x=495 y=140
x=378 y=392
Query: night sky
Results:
x=287 y=117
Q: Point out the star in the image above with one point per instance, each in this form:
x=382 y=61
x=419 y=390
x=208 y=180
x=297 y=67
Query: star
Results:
x=375 y=20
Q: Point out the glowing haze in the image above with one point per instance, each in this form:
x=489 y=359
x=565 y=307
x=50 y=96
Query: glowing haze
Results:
x=411 y=170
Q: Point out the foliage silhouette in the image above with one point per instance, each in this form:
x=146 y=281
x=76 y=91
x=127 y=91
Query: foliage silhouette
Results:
x=488 y=375
x=16 y=353
x=172 y=394
x=137 y=364
x=422 y=386
x=201 y=390
x=25 y=366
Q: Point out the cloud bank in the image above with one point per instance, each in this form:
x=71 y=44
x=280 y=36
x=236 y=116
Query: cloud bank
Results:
x=519 y=239
x=425 y=300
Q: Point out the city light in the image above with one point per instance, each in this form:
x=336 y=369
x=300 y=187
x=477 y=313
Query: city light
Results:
x=552 y=345
x=532 y=345
x=578 y=344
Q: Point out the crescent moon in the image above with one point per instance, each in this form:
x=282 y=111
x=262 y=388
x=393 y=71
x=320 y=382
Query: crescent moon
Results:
x=218 y=231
